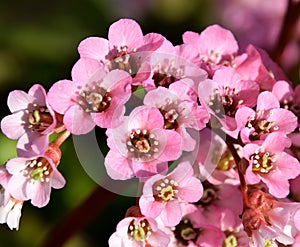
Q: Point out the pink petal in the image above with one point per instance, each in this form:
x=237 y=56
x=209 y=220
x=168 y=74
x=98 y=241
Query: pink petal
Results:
x=279 y=190
x=159 y=239
x=13 y=125
x=152 y=41
x=173 y=147
x=251 y=177
x=117 y=166
x=17 y=187
x=57 y=180
x=149 y=207
x=39 y=193
x=93 y=47
x=125 y=32
x=32 y=144
x=144 y=117
x=284 y=119
x=218 y=39
x=288 y=165
x=39 y=93
x=78 y=121
x=191 y=191
x=16 y=165
x=282 y=90
x=171 y=215
x=118 y=79
x=276 y=142
x=61 y=94
x=84 y=69
x=19 y=100
x=243 y=115
x=267 y=101
x=190 y=37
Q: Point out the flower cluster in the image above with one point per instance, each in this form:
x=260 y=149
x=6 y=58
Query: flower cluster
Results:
x=211 y=133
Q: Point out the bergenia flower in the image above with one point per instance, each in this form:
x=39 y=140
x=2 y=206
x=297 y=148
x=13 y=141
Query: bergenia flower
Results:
x=138 y=232
x=32 y=120
x=141 y=146
x=125 y=48
x=169 y=64
x=216 y=46
x=93 y=97
x=255 y=126
x=225 y=94
x=289 y=99
x=31 y=178
x=178 y=110
x=269 y=163
x=163 y=195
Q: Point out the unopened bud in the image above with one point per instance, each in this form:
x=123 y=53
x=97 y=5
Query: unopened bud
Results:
x=251 y=220
x=260 y=200
x=53 y=152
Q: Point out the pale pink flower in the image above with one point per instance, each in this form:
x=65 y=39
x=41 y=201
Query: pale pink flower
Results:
x=138 y=232
x=163 y=195
x=269 y=163
x=32 y=120
x=256 y=65
x=126 y=48
x=173 y=63
x=225 y=94
x=93 y=97
x=289 y=99
x=216 y=46
x=268 y=118
x=141 y=146
x=178 y=110
x=31 y=178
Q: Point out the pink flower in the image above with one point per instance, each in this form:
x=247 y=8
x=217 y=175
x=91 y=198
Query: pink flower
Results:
x=125 y=48
x=138 y=232
x=169 y=64
x=256 y=65
x=94 y=97
x=141 y=146
x=216 y=45
x=225 y=94
x=290 y=100
x=163 y=195
x=269 y=163
x=32 y=120
x=256 y=125
x=178 y=110
x=33 y=177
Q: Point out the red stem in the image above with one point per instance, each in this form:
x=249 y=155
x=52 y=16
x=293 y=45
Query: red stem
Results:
x=241 y=168
x=79 y=217
x=60 y=140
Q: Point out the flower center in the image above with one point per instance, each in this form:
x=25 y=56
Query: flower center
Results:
x=185 y=232
x=262 y=162
x=93 y=98
x=38 y=170
x=261 y=125
x=230 y=241
x=140 y=231
x=225 y=102
x=165 y=190
x=142 y=144
x=121 y=59
x=291 y=105
x=166 y=74
x=39 y=119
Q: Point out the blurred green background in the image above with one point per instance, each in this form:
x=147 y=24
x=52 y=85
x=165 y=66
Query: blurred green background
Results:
x=38 y=44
